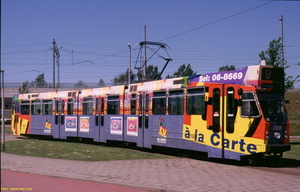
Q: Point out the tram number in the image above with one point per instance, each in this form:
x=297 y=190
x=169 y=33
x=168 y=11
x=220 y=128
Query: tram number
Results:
x=161 y=140
x=272 y=74
x=277 y=127
x=267 y=74
x=47 y=131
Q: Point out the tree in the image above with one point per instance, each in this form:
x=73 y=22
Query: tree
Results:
x=227 y=68
x=272 y=55
x=80 y=84
x=24 y=88
x=101 y=83
x=40 y=81
x=183 y=70
x=122 y=78
x=290 y=80
x=152 y=73
x=273 y=58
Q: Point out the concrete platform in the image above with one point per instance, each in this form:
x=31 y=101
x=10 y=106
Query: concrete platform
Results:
x=180 y=174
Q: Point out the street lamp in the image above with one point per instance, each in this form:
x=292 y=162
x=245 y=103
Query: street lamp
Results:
x=2 y=112
x=129 y=72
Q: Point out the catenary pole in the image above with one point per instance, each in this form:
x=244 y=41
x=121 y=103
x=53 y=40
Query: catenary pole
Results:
x=2 y=112
x=53 y=63
x=129 y=70
x=281 y=37
x=145 y=57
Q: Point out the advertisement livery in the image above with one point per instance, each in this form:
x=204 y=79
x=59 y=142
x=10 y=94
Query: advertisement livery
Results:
x=226 y=114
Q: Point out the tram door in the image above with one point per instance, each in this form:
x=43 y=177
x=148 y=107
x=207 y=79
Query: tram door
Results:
x=102 y=131
x=144 y=131
x=231 y=102
x=215 y=113
x=223 y=111
x=59 y=119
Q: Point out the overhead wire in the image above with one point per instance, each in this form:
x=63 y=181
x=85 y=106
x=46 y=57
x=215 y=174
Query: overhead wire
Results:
x=173 y=36
x=217 y=21
x=188 y=31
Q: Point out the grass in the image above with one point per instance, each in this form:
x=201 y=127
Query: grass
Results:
x=295 y=128
x=294 y=153
x=75 y=151
x=293 y=97
x=7 y=129
x=293 y=111
x=95 y=152
x=72 y=150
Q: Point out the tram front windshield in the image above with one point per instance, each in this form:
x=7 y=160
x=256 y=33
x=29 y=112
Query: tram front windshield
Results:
x=272 y=106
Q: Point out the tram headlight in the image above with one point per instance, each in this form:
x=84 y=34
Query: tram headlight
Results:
x=286 y=136
x=277 y=135
x=267 y=135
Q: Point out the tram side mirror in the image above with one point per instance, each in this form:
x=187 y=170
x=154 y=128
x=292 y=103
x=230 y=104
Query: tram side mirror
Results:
x=239 y=101
x=240 y=91
x=287 y=101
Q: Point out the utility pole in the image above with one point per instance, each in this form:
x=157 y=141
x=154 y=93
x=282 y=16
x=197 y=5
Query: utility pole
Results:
x=53 y=62
x=145 y=57
x=58 y=72
x=2 y=112
x=281 y=37
x=129 y=70
x=55 y=53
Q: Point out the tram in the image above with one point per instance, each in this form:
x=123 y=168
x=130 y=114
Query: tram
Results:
x=229 y=115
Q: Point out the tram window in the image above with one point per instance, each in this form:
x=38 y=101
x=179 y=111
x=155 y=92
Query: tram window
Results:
x=47 y=107
x=70 y=107
x=140 y=103
x=175 y=102
x=216 y=110
x=159 y=103
x=272 y=107
x=230 y=101
x=216 y=100
x=25 y=108
x=231 y=110
x=102 y=105
x=56 y=106
x=62 y=106
x=35 y=107
x=113 y=104
x=97 y=105
x=147 y=103
x=87 y=106
x=195 y=101
x=133 y=104
x=249 y=106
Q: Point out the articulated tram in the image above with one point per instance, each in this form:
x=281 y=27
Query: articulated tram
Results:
x=228 y=114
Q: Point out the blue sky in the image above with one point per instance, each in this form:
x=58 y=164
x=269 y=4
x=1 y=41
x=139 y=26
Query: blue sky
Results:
x=92 y=35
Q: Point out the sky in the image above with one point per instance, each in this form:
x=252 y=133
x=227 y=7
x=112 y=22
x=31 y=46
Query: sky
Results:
x=92 y=36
